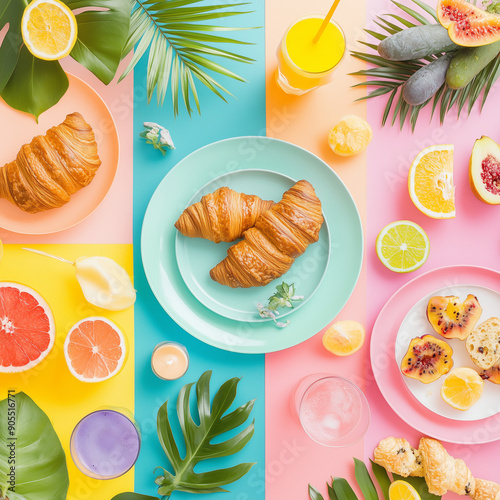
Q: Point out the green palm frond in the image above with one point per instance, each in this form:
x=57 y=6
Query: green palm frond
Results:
x=389 y=76
x=184 y=43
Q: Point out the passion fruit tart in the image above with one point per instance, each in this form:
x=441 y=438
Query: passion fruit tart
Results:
x=427 y=359
x=452 y=318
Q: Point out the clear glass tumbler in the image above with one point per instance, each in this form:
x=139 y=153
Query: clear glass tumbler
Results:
x=332 y=410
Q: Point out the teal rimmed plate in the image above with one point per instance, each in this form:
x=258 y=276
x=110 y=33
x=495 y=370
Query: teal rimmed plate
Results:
x=195 y=256
x=183 y=182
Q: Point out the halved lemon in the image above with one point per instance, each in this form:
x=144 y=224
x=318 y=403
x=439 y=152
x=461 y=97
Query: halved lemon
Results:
x=344 y=338
x=462 y=388
x=430 y=182
x=49 y=29
x=350 y=136
x=401 y=490
x=402 y=246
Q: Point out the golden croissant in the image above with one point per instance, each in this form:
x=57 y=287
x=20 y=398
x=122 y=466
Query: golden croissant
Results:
x=280 y=234
x=222 y=216
x=52 y=167
x=431 y=461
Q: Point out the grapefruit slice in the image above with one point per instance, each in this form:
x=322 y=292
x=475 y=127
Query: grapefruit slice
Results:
x=95 y=349
x=27 y=328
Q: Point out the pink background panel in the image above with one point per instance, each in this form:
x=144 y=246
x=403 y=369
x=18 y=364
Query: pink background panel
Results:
x=471 y=238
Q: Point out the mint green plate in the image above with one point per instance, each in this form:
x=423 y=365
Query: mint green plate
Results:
x=195 y=256
x=183 y=182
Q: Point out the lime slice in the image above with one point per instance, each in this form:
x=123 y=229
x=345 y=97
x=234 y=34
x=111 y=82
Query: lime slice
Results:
x=402 y=246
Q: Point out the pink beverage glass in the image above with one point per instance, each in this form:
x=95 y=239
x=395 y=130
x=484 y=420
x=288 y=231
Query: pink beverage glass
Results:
x=105 y=444
x=332 y=410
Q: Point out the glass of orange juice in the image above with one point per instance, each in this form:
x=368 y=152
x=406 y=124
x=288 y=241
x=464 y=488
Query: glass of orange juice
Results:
x=304 y=65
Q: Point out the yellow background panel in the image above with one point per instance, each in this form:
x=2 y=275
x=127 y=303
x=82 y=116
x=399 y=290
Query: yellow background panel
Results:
x=50 y=384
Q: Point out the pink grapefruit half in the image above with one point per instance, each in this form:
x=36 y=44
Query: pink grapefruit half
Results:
x=27 y=328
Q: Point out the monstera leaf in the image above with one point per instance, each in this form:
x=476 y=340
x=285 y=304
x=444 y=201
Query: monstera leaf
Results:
x=214 y=422
x=101 y=35
x=29 y=444
x=33 y=85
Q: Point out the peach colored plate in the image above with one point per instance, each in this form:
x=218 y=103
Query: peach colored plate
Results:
x=17 y=128
x=386 y=367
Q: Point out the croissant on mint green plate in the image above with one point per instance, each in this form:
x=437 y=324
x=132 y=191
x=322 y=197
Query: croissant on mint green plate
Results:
x=223 y=215
x=280 y=234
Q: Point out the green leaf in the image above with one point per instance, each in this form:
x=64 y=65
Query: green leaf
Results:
x=331 y=492
x=382 y=478
x=11 y=12
x=101 y=35
x=419 y=484
x=133 y=496
x=35 y=85
x=214 y=422
x=364 y=480
x=182 y=46
x=40 y=462
x=343 y=489
x=314 y=494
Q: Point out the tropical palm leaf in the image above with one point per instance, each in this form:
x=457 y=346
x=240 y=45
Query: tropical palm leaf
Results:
x=184 y=46
x=390 y=76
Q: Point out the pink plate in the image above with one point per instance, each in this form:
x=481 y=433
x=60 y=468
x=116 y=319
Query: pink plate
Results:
x=18 y=128
x=386 y=369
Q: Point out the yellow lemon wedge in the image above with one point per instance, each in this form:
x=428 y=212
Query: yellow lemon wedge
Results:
x=430 y=182
x=402 y=246
x=49 y=29
x=344 y=338
x=401 y=490
x=462 y=388
x=350 y=136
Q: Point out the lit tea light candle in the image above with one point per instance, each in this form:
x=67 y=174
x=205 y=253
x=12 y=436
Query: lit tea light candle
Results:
x=170 y=360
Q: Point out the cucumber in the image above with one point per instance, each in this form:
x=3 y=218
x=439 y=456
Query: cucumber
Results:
x=423 y=84
x=415 y=43
x=467 y=63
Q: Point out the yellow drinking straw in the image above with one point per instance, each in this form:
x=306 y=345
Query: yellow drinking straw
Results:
x=325 y=22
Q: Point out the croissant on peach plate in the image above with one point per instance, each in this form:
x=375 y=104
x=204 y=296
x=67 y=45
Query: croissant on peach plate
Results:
x=52 y=167
x=223 y=215
x=280 y=234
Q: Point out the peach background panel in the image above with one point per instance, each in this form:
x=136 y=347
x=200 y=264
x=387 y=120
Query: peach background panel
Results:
x=112 y=221
x=50 y=384
x=292 y=459
x=471 y=238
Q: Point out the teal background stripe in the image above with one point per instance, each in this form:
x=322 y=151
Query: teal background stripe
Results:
x=243 y=115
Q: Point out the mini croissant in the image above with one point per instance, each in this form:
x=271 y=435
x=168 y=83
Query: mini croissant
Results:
x=52 y=167
x=269 y=249
x=221 y=216
x=431 y=460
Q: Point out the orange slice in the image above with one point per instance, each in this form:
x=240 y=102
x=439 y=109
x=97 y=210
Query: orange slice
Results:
x=430 y=182
x=462 y=388
x=95 y=349
x=49 y=29
x=344 y=338
x=350 y=136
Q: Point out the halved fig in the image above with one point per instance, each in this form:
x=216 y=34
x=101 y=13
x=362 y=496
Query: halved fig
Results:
x=427 y=359
x=451 y=318
x=468 y=25
x=493 y=374
x=484 y=170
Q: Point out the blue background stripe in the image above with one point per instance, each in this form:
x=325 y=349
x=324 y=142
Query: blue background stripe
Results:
x=243 y=115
